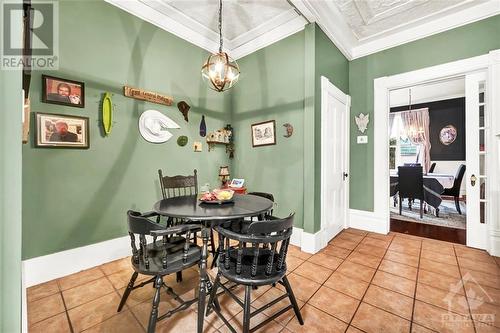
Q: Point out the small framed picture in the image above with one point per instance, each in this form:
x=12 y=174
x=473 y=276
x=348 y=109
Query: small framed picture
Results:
x=63 y=91
x=61 y=131
x=237 y=183
x=264 y=134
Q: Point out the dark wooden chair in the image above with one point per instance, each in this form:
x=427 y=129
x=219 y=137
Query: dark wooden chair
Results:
x=241 y=225
x=455 y=190
x=431 y=169
x=263 y=263
x=411 y=186
x=176 y=186
x=174 y=253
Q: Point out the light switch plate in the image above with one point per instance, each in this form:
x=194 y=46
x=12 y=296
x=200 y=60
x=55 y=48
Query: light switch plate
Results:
x=362 y=139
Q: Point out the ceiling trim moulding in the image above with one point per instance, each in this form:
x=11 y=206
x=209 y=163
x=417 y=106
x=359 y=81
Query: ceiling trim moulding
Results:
x=324 y=13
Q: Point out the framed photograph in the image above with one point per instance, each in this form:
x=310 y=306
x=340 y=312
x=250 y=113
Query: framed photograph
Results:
x=61 y=131
x=264 y=134
x=63 y=91
x=237 y=183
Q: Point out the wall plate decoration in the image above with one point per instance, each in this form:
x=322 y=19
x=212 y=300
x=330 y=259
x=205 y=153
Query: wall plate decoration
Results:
x=203 y=127
x=184 y=109
x=63 y=91
x=289 y=130
x=107 y=113
x=61 y=131
x=154 y=126
x=448 y=135
x=362 y=121
x=197 y=146
x=264 y=133
x=182 y=140
x=149 y=96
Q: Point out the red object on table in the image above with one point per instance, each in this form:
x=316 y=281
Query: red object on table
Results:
x=240 y=190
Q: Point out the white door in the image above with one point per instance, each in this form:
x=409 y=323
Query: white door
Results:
x=334 y=160
x=477 y=126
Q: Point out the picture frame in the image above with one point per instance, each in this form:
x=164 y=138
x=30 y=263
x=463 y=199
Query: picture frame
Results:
x=61 y=91
x=237 y=182
x=263 y=133
x=61 y=131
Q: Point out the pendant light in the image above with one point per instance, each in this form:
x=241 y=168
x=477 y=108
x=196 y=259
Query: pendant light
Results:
x=220 y=71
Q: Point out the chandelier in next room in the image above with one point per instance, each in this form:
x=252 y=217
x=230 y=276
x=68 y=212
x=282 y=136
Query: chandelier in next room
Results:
x=220 y=71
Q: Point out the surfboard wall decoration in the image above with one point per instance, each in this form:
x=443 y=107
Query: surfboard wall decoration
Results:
x=107 y=113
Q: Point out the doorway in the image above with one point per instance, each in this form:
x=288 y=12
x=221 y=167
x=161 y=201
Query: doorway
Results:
x=335 y=109
x=427 y=131
x=480 y=73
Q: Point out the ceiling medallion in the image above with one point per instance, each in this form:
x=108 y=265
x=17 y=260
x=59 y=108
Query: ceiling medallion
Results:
x=220 y=71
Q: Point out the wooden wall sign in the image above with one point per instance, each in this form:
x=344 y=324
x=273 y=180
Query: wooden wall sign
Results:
x=149 y=96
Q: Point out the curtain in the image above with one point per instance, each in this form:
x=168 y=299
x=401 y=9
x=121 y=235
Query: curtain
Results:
x=416 y=126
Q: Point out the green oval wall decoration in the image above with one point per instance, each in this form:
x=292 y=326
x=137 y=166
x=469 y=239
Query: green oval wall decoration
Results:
x=182 y=140
x=107 y=113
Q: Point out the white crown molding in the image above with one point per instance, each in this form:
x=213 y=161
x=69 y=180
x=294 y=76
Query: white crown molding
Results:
x=324 y=13
x=295 y=25
x=331 y=21
x=455 y=20
x=156 y=18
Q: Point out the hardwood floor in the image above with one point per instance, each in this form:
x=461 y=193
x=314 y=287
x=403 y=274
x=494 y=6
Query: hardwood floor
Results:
x=429 y=231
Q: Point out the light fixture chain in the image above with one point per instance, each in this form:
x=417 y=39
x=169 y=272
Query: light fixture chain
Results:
x=220 y=25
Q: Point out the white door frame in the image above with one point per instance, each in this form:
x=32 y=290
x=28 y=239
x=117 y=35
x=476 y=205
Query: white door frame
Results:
x=325 y=130
x=382 y=86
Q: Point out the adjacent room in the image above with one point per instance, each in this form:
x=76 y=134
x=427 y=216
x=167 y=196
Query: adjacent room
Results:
x=428 y=136
x=250 y=166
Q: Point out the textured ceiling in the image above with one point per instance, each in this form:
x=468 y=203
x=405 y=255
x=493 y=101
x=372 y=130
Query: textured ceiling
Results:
x=357 y=27
x=369 y=18
x=239 y=16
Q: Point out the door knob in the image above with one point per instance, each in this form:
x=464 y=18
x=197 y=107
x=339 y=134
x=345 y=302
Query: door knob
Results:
x=473 y=180
x=345 y=175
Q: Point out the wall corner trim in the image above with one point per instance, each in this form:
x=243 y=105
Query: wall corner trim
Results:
x=307 y=242
x=52 y=266
x=368 y=221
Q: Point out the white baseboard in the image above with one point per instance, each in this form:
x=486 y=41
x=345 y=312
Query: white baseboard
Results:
x=56 y=265
x=296 y=238
x=495 y=243
x=310 y=243
x=368 y=221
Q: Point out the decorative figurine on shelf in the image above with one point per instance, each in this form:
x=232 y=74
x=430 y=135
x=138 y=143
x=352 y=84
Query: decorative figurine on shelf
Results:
x=224 y=175
x=222 y=136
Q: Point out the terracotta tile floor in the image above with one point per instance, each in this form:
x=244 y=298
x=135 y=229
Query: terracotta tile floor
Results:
x=361 y=282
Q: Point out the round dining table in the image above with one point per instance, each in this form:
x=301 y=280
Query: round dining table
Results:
x=209 y=215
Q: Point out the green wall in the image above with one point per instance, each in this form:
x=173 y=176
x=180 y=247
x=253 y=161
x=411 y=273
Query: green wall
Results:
x=281 y=82
x=11 y=104
x=73 y=198
x=460 y=43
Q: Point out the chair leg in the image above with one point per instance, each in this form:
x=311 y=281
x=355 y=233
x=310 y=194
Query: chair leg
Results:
x=156 y=302
x=127 y=291
x=212 y=242
x=400 y=205
x=421 y=208
x=457 y=205
x=246 y=309
x=213 y=294
x=291 y=296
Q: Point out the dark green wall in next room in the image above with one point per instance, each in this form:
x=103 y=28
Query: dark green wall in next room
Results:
x=74 y=197
x=464 y=42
